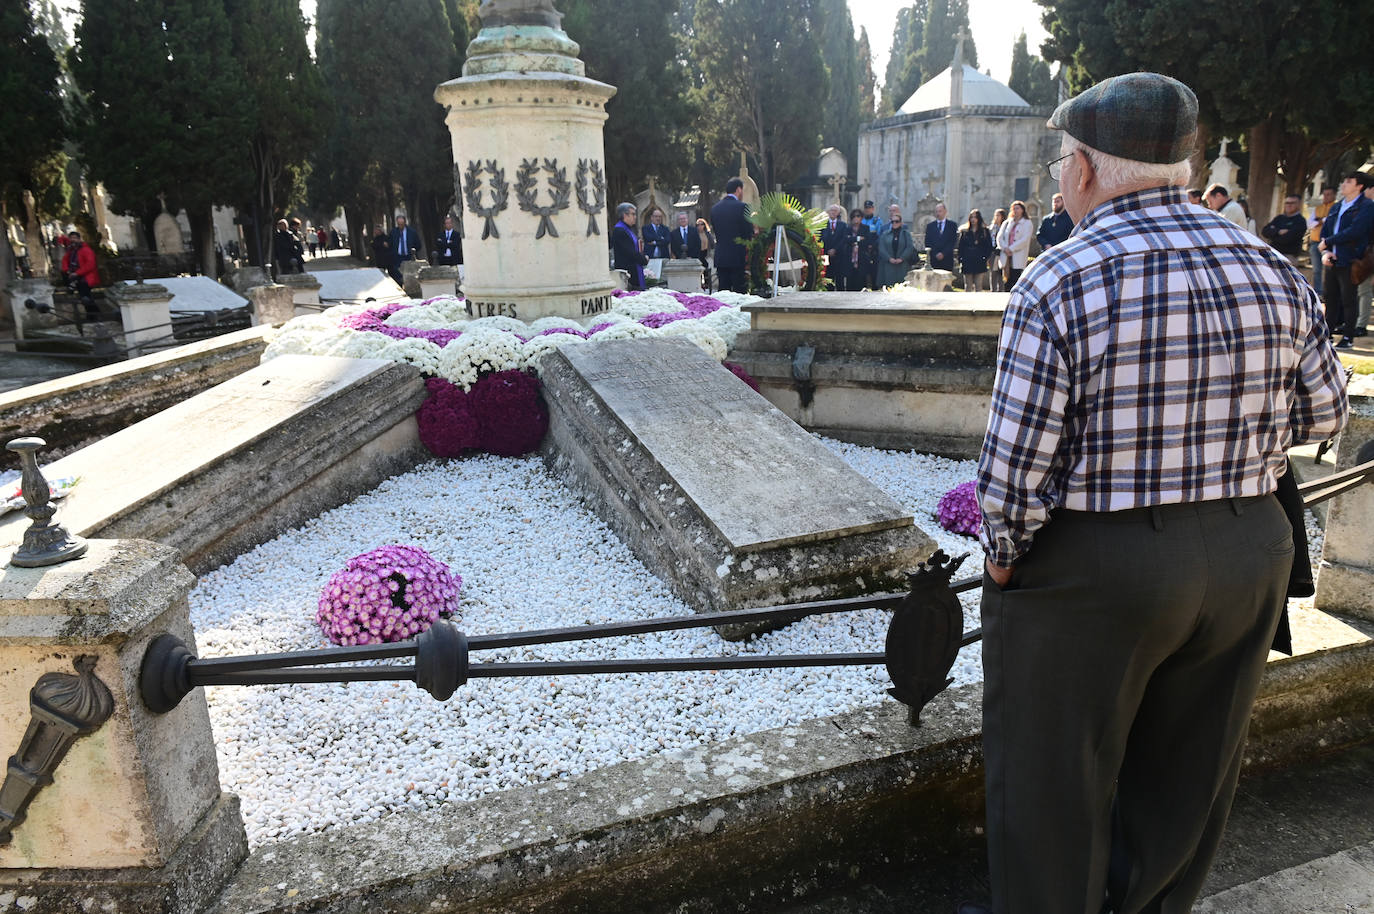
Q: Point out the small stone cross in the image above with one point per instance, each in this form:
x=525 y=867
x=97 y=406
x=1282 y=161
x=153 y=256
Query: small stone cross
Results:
x=959 y=38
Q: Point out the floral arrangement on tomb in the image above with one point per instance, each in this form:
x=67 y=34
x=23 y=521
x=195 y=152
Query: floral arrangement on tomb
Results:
x=389 y=594
x=802 y=228
x=958 y=510
x=482 y=374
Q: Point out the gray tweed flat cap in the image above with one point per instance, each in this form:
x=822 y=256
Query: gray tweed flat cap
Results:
x=1144 y=117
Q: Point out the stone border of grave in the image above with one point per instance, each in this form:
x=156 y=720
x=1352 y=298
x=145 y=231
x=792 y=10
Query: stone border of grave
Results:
x=893 y=371
x=763 y=817
x=80 y=409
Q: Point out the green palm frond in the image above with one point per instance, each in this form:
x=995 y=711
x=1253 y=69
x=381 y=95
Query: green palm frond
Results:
x=783 y=209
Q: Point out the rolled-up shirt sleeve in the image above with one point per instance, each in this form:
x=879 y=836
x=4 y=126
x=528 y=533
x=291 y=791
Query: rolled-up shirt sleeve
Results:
x=1020 y=467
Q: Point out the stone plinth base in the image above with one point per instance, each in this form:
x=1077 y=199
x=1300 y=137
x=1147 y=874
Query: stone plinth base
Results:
x=145 y=311
x=273 y=305
x=902 y=369
x=305 y=288
x=245 y=278
x=717 y=492
x=189 y=883
x=439 y=280
x=683 y=275
x=528 y=306
x=931 y=280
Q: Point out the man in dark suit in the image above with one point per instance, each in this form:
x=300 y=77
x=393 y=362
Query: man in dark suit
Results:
x=942 y=236
x=729 y=219
x=657 y=237
x=836 y=242
x=1345 y=235
x=680 y=241
x=1056 y=227
x=448 y=247
x=405 y=245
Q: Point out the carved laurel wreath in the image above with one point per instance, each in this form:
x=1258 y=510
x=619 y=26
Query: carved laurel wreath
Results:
x=597 y=192
x=500 y=194
x=526 y=189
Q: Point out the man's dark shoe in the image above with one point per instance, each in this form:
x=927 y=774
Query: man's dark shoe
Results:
x=969 y=907
x=1361 y=332
x=1346 y=343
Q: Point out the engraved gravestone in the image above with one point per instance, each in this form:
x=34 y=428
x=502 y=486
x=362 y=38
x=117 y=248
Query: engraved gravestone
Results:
x=715 y=490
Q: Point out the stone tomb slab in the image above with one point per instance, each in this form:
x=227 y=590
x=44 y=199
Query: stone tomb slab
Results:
x=239 y=463
x=357 y=285
x=715 y=490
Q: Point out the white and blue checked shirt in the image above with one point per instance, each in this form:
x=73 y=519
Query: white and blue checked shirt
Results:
x=1159 y=355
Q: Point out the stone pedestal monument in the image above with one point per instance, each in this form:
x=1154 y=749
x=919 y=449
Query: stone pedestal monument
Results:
x=526 y=124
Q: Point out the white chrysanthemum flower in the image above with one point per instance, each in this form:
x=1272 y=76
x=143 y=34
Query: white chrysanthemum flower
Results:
x=735 y=299
x=621 y=330
x=423 y=354
x=500 y=322
x=555 y=323
x=704 y=337
x=535 y=350
x=477 y=352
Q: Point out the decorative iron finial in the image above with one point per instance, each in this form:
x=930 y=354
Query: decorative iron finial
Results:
x=45 y=543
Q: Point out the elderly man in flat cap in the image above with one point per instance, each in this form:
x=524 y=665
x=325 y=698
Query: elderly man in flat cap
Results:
x=1153 y=370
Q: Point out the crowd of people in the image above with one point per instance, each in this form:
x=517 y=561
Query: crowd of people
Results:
x=293 y=242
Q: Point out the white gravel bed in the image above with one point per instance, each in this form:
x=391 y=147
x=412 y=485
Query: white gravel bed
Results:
x=305 y=758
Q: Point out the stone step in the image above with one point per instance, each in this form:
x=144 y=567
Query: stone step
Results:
x=1339 y=883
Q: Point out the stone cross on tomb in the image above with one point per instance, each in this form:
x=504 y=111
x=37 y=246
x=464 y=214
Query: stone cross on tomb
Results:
x=930 y=181
x=959 y=38
x=838 y=182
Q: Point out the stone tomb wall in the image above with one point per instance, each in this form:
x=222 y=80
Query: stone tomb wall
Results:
x=900 y=370
x=80 y=409
x=718 y=493
x=233 y=466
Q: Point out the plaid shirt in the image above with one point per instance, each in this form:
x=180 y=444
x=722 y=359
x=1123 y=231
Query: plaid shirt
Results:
x=1159 y=355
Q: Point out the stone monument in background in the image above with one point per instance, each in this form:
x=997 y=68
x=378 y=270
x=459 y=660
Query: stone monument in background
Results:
x=527 y=142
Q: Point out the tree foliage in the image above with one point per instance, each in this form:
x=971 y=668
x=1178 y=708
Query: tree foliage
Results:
x=868 y=81
x=31 y=117
x=908 y=37
x=649 y=119
x=840 y=52
x=164 y=111
x=764 y=80
x=1280 y=77
x=381 y=60
x=287 y=100
x=944 y=19
x=1030 y=76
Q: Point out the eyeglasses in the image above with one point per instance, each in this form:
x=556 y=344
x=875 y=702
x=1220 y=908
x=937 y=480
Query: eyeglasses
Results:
x=1055 y=167
x=896 y=222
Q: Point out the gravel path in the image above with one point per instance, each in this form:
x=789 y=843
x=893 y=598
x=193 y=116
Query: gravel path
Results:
x=305 y=758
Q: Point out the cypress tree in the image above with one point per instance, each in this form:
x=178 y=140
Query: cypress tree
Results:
x=31 y=124
x=164 y=108
x=288 y=103
x=839 y=50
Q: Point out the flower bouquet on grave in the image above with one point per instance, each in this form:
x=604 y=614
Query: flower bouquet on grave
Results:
x=389 y=594
x=958 y=510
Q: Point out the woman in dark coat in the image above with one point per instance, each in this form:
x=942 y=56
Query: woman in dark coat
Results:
x=975 y=246
x=625 y=248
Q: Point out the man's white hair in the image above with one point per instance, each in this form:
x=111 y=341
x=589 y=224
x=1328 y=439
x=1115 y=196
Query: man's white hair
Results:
x=1114 y=172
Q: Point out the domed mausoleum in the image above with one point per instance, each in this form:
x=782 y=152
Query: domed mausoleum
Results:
x=962 y=138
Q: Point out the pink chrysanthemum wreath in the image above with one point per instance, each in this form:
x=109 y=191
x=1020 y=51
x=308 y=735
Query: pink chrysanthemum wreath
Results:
x=389 y=594
x=958 y=510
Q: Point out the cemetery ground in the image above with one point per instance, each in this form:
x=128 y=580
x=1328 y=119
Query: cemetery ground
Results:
x=355 y=791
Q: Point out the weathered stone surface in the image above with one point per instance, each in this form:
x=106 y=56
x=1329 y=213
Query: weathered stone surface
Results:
x=717 y=492
x=903 y=370
x=931 y=280
x=72 y=412
x=683 y=275
x=201 y=293
x=273 y=305
x=244 y=278
x=222 y=471
x=356 y=285
x=140 y=797
x=736 y=825
x=305 y=289
x=439 y=280
x=410 y=276
x=1345 y=582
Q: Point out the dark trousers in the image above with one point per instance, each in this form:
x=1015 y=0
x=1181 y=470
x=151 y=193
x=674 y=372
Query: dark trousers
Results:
x=732 y=279
x=1121 y=664
x=1342 y=303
